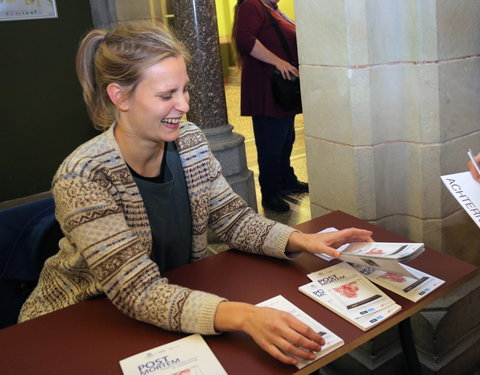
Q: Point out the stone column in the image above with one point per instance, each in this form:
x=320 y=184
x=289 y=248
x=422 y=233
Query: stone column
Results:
x=391 y=99
x=196 y=25
x=104 y=13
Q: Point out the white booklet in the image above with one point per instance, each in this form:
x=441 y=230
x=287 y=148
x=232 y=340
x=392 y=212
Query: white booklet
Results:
x=187 y=356
x=348 y=293
x=381 y=255
x=413 y=289
x=385 y=256
x=466 y=191
x=332 y=341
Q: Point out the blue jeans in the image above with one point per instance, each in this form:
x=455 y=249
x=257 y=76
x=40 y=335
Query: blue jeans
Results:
x=274 y=138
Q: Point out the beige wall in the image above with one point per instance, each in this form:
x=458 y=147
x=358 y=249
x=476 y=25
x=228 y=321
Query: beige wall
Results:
x=391 y=94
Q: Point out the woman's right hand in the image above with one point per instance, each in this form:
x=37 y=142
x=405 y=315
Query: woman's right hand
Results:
x=260 y=52
x=286 y=69
x=277 y=332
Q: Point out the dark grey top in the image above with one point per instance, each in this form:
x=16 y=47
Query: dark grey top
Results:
x=168 y=208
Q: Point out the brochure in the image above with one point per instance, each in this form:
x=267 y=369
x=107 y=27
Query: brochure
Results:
x=187 y=356
x=466 y=191
x=348 y=293
x=413 y=289
x=332 y=341
x=383 y=255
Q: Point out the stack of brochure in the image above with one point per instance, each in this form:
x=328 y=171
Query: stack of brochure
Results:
x=349 y=294
x=332 y=341
x=347 y=289
x=382 y=255
x=380 y=263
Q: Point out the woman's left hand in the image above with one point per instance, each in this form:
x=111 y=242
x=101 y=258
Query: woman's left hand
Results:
x=326 y=243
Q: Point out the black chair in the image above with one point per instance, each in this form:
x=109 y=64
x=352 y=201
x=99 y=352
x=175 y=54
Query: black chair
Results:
x=29 y=234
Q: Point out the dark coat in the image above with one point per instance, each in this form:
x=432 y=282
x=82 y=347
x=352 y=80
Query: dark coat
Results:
x=253 y=23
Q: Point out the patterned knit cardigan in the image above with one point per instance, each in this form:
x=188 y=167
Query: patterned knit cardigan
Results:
x=107 y=243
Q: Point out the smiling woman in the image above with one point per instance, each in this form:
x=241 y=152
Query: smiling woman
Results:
x=137 y=201
x=150 y=116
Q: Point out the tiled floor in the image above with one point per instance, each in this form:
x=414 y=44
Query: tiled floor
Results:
x=300 y=204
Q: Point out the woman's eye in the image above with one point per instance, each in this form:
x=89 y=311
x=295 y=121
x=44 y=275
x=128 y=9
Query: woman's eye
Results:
x=166 y=95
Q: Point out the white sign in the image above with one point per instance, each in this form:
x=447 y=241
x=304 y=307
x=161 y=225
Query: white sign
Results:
x=14 y=10
x=466 y=191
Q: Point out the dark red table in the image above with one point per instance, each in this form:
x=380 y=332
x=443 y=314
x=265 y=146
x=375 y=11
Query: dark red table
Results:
x=92 y=336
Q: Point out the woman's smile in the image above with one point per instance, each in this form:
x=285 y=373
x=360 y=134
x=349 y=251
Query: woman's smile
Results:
x=171 y=123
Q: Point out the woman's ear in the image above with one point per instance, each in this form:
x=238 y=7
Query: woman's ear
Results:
x=118 y=96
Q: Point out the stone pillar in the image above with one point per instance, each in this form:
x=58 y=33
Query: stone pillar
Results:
x=103 y=13
x=391 y=99
x=196 y=25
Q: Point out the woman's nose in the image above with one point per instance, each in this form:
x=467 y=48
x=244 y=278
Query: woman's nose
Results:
x=183 y=102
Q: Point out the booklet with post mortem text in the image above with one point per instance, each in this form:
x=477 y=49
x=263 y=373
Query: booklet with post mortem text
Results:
x=188 y=356
x=351 y=295
x=332 y=341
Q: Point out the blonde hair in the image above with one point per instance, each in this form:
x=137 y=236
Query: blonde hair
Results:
x=120 y=56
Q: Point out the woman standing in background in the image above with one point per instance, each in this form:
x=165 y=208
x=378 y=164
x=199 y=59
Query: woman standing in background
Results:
x=260 y=51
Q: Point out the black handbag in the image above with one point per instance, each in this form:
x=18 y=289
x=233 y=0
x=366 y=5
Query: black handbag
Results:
x=286 y=92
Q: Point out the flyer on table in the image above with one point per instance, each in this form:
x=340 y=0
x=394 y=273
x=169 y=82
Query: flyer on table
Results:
x=188 y=356
x=348 y=293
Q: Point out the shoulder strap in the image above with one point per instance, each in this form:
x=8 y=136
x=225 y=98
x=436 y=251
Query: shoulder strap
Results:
x=278 y=31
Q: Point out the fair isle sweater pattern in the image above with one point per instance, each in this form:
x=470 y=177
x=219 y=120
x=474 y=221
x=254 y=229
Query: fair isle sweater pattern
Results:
x=107 y=243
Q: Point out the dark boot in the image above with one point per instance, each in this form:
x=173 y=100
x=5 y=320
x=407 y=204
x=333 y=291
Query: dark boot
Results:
x=299 y=187
x=275 y=203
